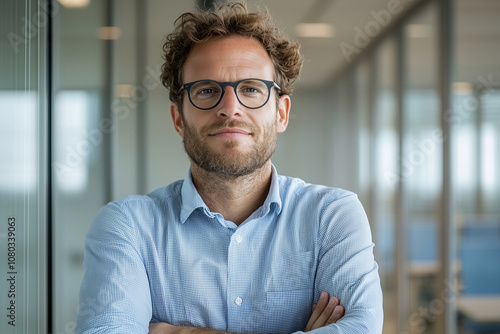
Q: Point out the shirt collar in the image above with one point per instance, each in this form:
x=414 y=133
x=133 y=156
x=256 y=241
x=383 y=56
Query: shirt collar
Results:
x=274 y=193
x=191 y=199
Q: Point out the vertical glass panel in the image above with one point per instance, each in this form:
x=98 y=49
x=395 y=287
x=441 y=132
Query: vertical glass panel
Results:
x=385 y=173
x=344 y=135
x=422 y=166
x=476 y=156
x=131 y=88
x=165 y=159
x=79 y=138
x=362 y=105
x=23 y=166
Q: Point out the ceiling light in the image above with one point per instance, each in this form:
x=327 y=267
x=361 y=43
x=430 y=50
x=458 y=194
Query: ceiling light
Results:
x=418 y=31
x=316 y=30
x=462 y=88
x=74 y=3
x=108 y=33
x=124 y=90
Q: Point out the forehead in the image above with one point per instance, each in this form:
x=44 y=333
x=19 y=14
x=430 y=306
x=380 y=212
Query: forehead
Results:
x=229 y=58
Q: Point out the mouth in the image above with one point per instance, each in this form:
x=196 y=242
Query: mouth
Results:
x=230 y=133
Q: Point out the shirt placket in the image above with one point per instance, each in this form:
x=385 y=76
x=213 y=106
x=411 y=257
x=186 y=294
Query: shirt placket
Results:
x=238 y=304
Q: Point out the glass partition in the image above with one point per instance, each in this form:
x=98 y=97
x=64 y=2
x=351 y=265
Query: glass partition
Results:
x=362 y=111
x=476 y=155
x=421 y=165
x=24 y=179
x=386 y=173
x=80 y=134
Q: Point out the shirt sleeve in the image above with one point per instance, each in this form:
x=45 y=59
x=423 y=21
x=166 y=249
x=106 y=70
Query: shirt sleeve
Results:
x=347 y=268
x=114 y=295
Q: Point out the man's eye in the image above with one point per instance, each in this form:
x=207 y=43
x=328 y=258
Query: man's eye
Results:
x=250 y=90
x=205 y=92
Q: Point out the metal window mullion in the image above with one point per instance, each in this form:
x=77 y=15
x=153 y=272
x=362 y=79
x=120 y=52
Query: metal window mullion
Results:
x=373 y=193
x=106 y=113
x=141 y=63
x=401 y=226
x=446 y=321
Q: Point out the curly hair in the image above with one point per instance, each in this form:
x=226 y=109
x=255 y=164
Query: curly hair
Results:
x=229 y=19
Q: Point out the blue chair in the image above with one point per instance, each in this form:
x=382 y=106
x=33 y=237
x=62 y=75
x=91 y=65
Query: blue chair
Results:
x=480 y=266
x=423 y=241
x=385 y=243
x=484 y=230
x=480 y=273
x=422 y=248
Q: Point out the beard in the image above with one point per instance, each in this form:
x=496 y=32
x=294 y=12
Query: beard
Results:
x=230 y=162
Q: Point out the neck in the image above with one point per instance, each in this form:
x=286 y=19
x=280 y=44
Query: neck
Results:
x=234 y=197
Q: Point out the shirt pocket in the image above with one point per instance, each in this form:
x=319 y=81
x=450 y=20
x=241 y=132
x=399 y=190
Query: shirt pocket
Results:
x=291 y=271
x=288 y=311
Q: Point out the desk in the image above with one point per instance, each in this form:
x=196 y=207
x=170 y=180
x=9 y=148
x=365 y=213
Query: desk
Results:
x=429 y=268
x=423 y=268
x=480 y=308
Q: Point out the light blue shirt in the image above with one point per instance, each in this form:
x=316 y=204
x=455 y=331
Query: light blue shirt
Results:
x=165 y=257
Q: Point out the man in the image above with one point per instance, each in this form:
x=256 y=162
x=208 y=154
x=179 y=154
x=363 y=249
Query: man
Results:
x=234 y=246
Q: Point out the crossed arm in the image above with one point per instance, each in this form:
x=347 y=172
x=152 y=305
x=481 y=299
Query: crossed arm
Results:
x=326 y=311
x=116 y=282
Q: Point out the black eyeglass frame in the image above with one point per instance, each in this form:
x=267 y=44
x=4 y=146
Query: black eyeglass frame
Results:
x=222 y=85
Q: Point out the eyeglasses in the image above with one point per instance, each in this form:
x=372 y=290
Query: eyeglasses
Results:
x=207 y=94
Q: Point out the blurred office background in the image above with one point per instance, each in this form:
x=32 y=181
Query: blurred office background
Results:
x=399 y=101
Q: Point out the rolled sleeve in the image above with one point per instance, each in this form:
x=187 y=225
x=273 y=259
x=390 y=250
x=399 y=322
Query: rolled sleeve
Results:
x=347 y=268
x=114 y=295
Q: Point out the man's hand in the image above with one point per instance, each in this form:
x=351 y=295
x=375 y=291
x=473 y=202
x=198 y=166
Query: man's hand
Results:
x=326 y=311
x=166 y=328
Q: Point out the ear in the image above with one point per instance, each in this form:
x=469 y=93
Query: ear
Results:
x=284 y=106
x=177 y=119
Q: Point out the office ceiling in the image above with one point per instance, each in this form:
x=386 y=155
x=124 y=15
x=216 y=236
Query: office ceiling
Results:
x=478 y=29
x=323 y=56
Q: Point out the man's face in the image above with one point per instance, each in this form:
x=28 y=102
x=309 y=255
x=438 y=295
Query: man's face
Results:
x=230 y=138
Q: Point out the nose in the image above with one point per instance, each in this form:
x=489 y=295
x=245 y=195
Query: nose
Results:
x=229 y=106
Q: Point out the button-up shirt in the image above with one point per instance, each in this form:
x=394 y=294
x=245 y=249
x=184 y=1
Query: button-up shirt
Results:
x=165 y=257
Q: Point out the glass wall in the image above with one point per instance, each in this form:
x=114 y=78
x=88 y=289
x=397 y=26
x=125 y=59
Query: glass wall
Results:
x=363 y=141
x=24 y=179
x=421 y=164
x=476 y=155
x=80 y=138
x=385 y=173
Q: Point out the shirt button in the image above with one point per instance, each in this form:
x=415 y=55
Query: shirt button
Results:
x=238 y=301
x=238 y=238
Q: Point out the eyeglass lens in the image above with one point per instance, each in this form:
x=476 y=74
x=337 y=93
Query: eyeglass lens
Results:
x=251 y=93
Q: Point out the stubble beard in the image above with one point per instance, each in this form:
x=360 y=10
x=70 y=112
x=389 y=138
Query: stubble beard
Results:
x=229 y=163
